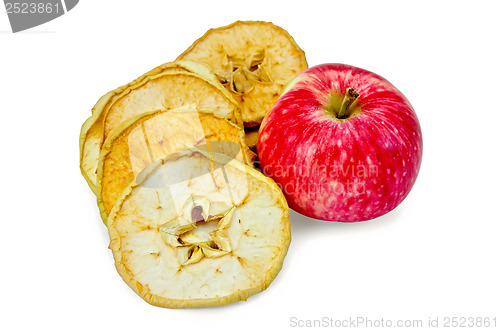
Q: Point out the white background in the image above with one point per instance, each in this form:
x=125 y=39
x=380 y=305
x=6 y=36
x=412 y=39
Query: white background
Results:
x=436 y=255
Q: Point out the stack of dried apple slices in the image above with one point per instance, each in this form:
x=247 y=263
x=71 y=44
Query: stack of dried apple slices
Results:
x=191 y=222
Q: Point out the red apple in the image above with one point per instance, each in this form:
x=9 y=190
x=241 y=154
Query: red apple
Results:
x=343 y=143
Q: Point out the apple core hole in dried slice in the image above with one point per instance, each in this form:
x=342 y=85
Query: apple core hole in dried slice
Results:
x=201 y=232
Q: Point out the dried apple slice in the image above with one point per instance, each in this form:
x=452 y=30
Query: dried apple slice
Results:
x=141 y=140
x=181 y=84
x=251 y=137
x=254 y=60
x=199 y=230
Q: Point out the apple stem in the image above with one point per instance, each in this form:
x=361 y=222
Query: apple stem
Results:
x=350 y=96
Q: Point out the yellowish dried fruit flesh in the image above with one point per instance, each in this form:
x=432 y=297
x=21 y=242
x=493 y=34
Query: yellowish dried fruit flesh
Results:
x=251 y=138
x=180 y=84
x=254 y=60
x=150 y=136
x=199 y=229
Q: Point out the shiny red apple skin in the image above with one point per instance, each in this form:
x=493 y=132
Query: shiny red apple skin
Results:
x=348 y=170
